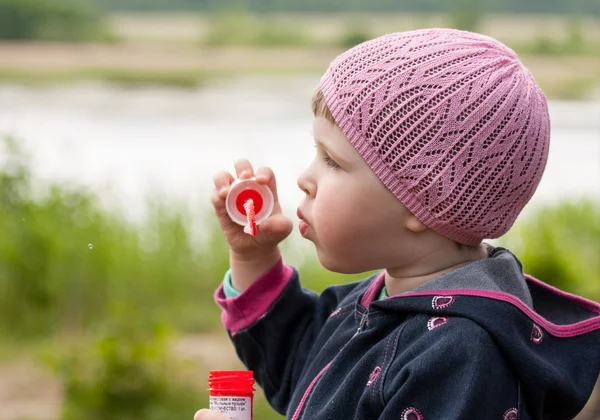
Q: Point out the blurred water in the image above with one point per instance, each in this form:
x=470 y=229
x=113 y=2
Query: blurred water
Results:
x=138 y=140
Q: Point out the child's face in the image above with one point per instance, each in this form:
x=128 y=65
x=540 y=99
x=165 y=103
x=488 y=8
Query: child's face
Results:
x=356 y=224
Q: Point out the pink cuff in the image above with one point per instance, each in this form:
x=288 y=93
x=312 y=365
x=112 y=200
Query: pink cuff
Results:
x=242 y=311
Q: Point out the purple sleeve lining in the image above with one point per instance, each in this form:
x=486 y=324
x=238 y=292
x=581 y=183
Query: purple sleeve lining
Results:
x=242 y=311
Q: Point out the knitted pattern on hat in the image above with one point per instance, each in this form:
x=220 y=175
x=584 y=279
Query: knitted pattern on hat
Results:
x=450 y=121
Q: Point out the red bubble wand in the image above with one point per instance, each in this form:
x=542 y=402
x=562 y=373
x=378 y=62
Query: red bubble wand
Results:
x=248 y=203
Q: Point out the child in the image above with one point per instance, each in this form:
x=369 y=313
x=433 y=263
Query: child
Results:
x=428 y=142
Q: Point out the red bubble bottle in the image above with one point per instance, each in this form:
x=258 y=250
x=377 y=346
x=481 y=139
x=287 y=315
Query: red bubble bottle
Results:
x=232 y=393
x=248 y=203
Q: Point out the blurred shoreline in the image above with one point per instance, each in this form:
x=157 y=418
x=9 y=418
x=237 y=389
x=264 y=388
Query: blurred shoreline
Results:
x=188 y=51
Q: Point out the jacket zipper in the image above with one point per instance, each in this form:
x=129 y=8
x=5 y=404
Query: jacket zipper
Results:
x=361 y=326
x=312 y=384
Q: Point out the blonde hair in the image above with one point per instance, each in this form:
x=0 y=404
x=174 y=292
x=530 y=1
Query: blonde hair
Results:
x=319 y=106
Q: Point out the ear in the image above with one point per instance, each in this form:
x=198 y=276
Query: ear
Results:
x=415 y=225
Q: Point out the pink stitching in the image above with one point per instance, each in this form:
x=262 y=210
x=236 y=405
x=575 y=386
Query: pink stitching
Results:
x=387 y=345
x=436 y=321
x=374 y=375
x=578 y=300
x=511 y=414
x=371 y=319
x=412 y=413
x=395 y=341
x=561 y=331
x=334 y=313
x=537 y=335
x=441 y=302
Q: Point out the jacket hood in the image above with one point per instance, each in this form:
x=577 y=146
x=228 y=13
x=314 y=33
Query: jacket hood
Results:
x=550 y=338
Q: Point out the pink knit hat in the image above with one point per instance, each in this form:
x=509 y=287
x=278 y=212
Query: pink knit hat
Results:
x=450 y=121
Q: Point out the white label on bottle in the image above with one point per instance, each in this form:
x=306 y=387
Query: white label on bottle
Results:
x=234 y=408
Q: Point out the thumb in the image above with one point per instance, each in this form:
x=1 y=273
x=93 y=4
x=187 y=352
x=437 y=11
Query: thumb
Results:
x=277 y=225
x=205 y=414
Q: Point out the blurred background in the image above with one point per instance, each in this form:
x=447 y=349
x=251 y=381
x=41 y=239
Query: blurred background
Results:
x=115 y=114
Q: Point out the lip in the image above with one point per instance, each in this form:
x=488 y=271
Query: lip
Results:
x=303 y=226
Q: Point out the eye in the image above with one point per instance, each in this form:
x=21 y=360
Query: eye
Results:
x=330 y=162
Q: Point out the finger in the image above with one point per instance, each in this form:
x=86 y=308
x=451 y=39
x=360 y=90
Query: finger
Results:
x=222 y=181
x=265 y=175
x=218 y=203
x=227 y=225
x=205 y=414
x=243 y=169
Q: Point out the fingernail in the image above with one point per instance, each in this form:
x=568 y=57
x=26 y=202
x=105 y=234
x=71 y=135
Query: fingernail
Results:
x=223 y=190
x=245 y=174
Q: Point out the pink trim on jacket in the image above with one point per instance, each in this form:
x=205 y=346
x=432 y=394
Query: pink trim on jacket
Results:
x=373 y=290
x=242 y=311
x=561 y=331
x=307 y=392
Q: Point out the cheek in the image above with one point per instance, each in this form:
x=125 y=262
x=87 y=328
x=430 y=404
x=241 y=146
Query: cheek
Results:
x=349 y=235
x=336 y=215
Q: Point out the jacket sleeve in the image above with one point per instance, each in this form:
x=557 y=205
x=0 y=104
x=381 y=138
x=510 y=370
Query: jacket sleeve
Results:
x=273 y=325
x=453 y=371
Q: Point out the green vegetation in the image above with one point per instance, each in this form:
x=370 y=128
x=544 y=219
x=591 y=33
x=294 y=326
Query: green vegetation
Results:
x=221 y=39
x=238 y=28
x=126 y=373
x=66 y=262
x=466 y=14
x=176 y=78
x=52 y=20
x=576 y=88
x=560 y=245
x=426 y=6
x=574 y=43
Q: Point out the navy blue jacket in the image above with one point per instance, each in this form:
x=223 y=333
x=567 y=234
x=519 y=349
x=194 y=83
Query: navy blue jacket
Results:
x=482 y=342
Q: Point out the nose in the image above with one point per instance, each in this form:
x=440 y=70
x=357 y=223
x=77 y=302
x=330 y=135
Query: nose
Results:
x=306 y=183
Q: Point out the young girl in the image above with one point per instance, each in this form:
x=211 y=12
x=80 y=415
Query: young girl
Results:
x=428 y=142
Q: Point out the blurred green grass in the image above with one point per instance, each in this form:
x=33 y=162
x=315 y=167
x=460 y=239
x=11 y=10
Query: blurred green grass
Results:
x=53 y=20
x=65 y=261
x=175 y=78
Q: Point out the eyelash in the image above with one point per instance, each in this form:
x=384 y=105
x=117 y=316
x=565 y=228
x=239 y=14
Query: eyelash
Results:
x=330 y=162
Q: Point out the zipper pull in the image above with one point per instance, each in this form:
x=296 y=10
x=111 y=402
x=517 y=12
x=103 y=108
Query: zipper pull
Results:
x=363 y=321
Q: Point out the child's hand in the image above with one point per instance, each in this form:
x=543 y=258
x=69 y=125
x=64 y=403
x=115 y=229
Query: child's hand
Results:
x=271 y=231
x=209 y=415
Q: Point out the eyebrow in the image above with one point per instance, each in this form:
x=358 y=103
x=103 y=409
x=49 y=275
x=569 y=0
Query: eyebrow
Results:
x=334 y=155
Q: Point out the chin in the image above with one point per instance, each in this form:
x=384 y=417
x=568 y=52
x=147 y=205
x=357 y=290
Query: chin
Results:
x=340 y=265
